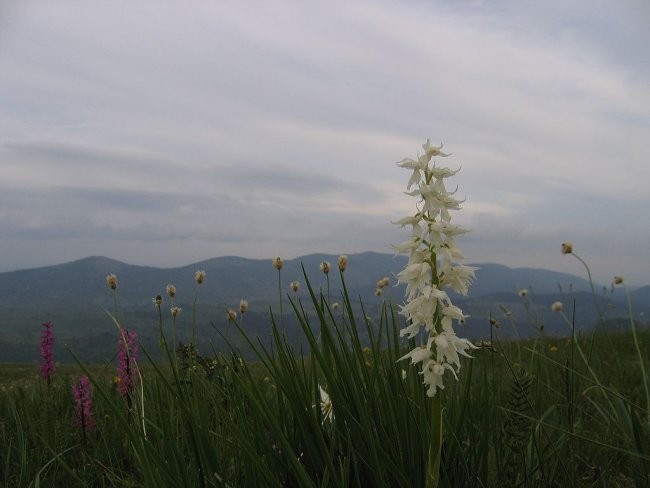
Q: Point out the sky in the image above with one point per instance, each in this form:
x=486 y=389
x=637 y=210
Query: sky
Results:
x=166 y=133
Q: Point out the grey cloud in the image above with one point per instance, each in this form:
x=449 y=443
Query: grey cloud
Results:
x=249 y=129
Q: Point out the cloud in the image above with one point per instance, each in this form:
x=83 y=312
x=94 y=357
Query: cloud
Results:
x=175 y=133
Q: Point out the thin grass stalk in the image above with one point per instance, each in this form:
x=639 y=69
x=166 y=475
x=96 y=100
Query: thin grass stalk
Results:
x=601 y=316
x=644 y=375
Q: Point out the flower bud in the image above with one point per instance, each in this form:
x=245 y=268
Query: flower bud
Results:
x=567 y=248
x=111 y=281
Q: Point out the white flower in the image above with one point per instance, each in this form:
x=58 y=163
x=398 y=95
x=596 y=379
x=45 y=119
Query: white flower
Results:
x=420 y=354
x=407 y=246
x=326 y=408
x=431 y=151
x=416 y=276
x=416 y=166
x=433 y=373
x=459 y=278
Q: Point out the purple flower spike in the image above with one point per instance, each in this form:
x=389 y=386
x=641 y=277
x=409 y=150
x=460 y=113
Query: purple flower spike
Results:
x=127 y=356
x=82 y=393
x=47 y=352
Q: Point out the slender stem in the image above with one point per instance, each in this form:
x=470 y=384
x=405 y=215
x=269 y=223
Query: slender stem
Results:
x=174 y=339
x=163 y=342
x=638 y=351
x=593 y=290
x=280 y=298
x=435 y=446
x=196 y=297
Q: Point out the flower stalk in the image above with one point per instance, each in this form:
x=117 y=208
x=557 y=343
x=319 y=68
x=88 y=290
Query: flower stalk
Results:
x=82 y=395
x=48 y=366
x=433 y=265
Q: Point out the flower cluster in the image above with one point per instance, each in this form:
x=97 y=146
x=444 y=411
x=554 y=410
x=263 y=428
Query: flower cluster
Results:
x=47 y=352
x=432 y=267
x=83 y=401
x=127 y=355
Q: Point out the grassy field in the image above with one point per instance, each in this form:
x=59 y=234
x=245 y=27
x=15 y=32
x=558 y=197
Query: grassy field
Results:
x=545 y=412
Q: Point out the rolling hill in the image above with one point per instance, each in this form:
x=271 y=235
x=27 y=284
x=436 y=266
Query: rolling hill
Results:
x=76 y=298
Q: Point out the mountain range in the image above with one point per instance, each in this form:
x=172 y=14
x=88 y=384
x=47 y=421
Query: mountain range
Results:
x=76 y=298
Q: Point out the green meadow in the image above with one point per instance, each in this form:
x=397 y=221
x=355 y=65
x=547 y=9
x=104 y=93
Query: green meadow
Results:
x=336 y=411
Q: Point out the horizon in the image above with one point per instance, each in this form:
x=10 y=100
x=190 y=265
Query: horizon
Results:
x=631 y=286
x=176 y=133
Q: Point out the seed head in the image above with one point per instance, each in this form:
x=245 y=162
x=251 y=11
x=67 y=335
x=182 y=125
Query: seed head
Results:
x=343 y=262
x=171 y=291
x=278 y=263
x=175 y=311
x=295 y=286
x=618 y=280
x=325 y=267
x=111 y=281
x=567 y=248
x=199 y=276
x=523 y=293
x=231 y=315
x=157 y=300
x=243 y=306
x=384 y=282
x=378 y=292
x=557 y=306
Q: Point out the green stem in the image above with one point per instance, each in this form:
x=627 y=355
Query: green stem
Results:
x=196 y=297
x=638 y=351
x=435 y=447
x=280 y=297
x=601 y=316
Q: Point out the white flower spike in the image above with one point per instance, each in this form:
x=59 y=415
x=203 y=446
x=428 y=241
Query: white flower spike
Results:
x=433 y=265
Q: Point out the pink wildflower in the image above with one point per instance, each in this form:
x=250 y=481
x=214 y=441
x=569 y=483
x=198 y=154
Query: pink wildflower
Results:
x=47 y=352
x=127 y=355
x=82 y=393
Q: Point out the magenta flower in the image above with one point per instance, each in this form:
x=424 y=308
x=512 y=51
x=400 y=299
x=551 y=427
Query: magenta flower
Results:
x=127 y=355
x=47 y=352
x=82 y=393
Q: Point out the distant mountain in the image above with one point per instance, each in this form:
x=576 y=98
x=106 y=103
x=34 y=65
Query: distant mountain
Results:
x=76 y=298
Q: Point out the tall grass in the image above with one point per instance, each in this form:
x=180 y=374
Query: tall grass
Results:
x=532 y=413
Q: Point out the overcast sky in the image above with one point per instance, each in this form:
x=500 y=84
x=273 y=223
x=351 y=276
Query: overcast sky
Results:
x=164 y=133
